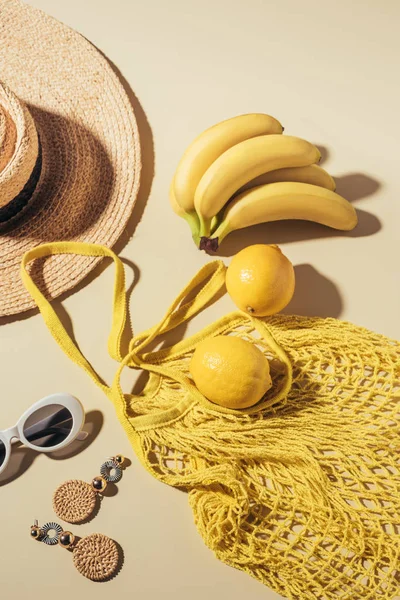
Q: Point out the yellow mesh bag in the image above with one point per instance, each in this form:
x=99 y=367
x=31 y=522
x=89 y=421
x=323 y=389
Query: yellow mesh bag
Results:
x=301 y=491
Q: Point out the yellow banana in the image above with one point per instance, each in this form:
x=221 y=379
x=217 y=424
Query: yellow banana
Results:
x=284 y=200
x=312 y=174
x=242 y=163
x=191 y=218
x=210 y=144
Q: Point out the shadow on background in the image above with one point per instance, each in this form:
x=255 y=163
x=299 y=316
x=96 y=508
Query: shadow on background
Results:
x=147 y=156
x=315 y=295
x=324 y=154
x=353 y=186
x=283 y=232
x=22 y=457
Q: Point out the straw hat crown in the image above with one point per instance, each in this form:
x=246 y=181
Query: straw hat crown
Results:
x=19 y=151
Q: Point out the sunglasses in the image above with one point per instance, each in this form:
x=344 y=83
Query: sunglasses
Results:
x=48 y=425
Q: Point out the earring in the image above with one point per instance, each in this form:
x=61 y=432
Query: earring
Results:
x=75 y=500
x=95 y=556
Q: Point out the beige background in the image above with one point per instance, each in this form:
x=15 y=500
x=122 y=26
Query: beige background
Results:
x=329 y=73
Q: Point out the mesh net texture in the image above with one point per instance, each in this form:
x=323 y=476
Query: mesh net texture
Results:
x=304 y=494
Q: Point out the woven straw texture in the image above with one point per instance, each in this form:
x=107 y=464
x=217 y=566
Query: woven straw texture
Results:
x=74 y=501
x=301 y=491
x=96 y=557
x=90 y=149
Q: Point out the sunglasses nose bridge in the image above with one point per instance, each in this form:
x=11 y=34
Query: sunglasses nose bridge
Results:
x=11 y=433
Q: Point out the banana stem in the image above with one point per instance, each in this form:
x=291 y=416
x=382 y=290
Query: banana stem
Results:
x=211 y=244
x=193 y=222
x=205 y=226
x=221 y=232
x=215 y=221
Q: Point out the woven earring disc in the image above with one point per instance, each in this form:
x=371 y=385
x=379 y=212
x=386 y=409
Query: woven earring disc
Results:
x=74 y=501
x=96 y=557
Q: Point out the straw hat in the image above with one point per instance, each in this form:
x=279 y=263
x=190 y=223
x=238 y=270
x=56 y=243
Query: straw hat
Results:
x=69 y=151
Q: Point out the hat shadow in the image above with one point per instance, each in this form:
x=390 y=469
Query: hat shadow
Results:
x=75 y=185
x=147 y=156
x=77 y=163
x=87 y=175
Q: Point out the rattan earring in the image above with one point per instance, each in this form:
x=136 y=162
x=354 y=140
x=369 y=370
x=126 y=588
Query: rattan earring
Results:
x=95 y=556
x=74 y=501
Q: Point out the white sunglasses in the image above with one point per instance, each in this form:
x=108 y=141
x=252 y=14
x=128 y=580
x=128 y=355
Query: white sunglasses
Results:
x=48 y=425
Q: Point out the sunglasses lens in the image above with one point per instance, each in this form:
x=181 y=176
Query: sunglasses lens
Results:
x=2 y=453
x=48 y=426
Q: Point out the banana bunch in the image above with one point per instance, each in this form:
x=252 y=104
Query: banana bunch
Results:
x=243 y=171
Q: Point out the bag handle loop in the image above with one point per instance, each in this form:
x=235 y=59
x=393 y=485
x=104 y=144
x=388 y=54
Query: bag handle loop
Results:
x=181 y=311
x=178 y=312
x=210 y=280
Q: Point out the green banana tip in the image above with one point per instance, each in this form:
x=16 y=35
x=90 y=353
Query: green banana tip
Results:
x=208 y=244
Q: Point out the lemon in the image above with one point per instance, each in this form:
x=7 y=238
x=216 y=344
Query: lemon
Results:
x=230 y=371
x=260 y=280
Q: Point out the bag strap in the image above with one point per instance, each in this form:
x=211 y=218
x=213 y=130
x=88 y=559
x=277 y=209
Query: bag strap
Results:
x=50 y=317
x=210 y=280
x=211 y=277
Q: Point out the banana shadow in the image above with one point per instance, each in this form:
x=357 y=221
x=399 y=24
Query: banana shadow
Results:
x=324 y=153
x=354 y=186
x=315 y=295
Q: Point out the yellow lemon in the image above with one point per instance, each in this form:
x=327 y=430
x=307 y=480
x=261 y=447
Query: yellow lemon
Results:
x=260 y=280
x=230 y=371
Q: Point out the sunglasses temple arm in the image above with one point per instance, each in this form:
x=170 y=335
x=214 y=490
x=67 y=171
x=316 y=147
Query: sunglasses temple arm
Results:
x=31 y=437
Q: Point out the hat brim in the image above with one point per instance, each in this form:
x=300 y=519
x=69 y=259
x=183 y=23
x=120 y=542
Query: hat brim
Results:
x=90 y=150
